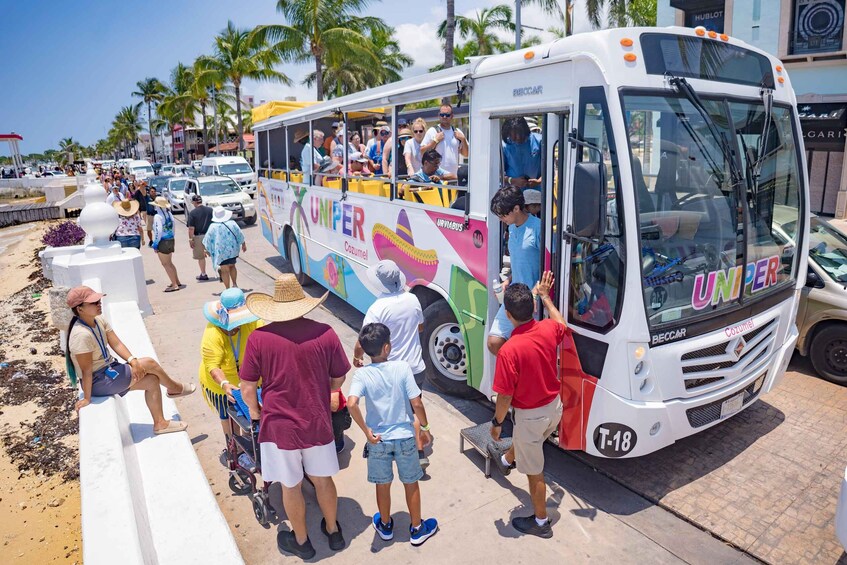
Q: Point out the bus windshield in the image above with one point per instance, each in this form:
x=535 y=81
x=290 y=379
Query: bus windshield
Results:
x=709 y=239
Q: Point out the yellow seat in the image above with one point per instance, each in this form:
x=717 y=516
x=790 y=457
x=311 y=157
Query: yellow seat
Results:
x=447 y=196
x=296 y=177
x=373 y=187
x=354 y=185
x=333 y=183
x=386 y=190
x=430 y=196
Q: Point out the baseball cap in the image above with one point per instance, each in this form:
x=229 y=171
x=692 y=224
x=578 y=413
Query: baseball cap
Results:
x=387 y=277
x=82 y=294
x=532 y=196
x=196 y=198
x=358 y=157
x=385 y=128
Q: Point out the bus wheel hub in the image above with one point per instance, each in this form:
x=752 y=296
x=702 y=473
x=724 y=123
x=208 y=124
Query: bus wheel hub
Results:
x=447 y=349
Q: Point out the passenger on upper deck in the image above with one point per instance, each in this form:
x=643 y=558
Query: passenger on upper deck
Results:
x=449 y=141
x=358 y=165
x=310 y=158
x=376 y=151
x=521 y=154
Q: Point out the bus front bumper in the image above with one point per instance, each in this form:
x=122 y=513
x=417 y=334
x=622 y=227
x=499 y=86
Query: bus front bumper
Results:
x=618 y=427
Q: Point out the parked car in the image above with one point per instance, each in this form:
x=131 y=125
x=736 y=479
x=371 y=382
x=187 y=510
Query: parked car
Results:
x=159 y=182
x=175 y=193
x=822 y=315
x=196 y=164
x=223 y=191
x=237 y=168
x=166 y=170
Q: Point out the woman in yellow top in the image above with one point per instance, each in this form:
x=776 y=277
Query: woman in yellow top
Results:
x=222 y=349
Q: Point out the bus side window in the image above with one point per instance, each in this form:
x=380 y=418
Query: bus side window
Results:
x=597 y=270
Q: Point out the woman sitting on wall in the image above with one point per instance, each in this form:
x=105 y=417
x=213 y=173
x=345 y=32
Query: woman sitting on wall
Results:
x=89 y=339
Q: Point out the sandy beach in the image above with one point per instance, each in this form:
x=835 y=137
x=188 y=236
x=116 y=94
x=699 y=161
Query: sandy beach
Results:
x=39 y=461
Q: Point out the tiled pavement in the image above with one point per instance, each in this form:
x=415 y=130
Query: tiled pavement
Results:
x=766 y=481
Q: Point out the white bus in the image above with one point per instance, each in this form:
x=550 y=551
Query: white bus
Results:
x=662 y=155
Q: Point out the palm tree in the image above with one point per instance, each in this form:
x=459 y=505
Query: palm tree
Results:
x=151 y=91
x=127 y=126
x=179 y=106
x=622 y=13
x=242 y=54
x=319 y=29
x=67 y=148
x=482 y=27
x=344 y=74
x=449 y=33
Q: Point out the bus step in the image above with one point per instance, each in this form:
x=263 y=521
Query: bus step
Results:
x=479 y=437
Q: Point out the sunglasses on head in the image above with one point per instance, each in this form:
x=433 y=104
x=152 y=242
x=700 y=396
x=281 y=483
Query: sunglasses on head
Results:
x=443 y=115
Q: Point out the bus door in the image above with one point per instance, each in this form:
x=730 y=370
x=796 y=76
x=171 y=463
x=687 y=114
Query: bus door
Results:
x=592 y=273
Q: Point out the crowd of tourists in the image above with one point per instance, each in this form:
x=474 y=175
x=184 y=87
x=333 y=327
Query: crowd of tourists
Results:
x=288 y=369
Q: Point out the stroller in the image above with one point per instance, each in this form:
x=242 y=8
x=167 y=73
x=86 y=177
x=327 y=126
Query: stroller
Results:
x=244 y=460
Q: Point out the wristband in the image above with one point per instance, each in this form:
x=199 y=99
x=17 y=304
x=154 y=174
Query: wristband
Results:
x=425 y=428
x=131 y=359
x=224 y=383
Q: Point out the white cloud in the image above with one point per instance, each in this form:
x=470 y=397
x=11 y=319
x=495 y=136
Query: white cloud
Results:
x=421 y=43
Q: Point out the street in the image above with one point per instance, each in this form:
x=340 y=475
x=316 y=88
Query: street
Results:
x=765 y=481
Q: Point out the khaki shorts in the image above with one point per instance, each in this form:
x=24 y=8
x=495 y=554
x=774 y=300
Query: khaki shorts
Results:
x=166 y=246
x=199 y=251
x=532 y=428
x=149 y=220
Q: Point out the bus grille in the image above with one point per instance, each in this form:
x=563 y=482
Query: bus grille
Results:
x=758 y=344
x=708 y=413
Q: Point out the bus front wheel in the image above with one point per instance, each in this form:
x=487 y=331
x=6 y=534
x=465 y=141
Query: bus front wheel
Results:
x=445 y=352
x=296 y=261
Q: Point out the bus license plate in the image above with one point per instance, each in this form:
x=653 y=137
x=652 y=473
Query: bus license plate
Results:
x=732 y=405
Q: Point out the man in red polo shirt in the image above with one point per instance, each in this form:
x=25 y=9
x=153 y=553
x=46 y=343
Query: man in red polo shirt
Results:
x=526 y=378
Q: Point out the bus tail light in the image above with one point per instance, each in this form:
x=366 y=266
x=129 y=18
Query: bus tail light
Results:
x=630 y=57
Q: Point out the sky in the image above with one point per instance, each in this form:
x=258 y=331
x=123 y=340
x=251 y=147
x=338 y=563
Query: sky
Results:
x=70 y=66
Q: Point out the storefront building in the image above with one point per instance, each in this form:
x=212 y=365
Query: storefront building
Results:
x=810 y=37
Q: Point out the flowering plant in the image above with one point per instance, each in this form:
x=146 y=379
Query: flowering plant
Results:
x=64 y=235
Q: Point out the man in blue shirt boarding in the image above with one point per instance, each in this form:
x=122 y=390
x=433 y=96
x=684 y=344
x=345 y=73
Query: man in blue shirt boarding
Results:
x=431 y=171
x=521 y=154
x=390 y=396
x=524 y=247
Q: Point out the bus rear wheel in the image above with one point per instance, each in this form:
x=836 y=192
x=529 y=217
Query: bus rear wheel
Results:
x=445 y=352
x=296 y=261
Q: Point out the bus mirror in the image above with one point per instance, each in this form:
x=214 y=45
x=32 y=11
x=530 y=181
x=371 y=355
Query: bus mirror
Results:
x=589 y=186
x=813 y=280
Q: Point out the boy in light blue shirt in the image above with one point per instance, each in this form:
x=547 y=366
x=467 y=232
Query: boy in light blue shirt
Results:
x=391 y=395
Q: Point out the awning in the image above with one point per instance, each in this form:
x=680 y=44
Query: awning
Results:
x=689 y=5
x=277 y=107
x=824 y=125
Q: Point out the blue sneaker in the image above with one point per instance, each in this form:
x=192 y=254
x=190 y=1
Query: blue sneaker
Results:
x=385 y=531
x=425 y=531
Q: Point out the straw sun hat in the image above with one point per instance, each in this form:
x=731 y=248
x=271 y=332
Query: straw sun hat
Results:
x=126 y=208
x=161 y=202
x=288 y=302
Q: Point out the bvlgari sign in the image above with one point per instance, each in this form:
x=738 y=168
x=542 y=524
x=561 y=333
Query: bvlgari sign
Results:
x=824 y=125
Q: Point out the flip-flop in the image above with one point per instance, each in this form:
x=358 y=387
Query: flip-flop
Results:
x=187 y=388
x=171 y=289
x=173 y=426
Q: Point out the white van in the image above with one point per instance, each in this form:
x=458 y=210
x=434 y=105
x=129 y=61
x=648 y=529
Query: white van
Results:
x=221 y=191
x=141 y=169
x=237 y=168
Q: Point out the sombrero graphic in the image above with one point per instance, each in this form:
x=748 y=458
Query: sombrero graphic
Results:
x=399 y=246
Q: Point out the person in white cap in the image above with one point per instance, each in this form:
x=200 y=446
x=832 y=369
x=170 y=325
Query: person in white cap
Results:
x=358 y=165
x=402 y=313
x=222 y=243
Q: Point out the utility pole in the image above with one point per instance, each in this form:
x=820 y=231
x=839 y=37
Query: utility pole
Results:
x=517 y=24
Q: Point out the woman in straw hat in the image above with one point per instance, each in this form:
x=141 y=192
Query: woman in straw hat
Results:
x=163 y=241
x=130 y=232
x=222 y=242
x=222 y=350
x=300 y=361
x=90 y=338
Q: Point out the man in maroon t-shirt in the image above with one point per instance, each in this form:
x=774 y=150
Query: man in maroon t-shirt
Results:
x=526 y=378
x=299 y=361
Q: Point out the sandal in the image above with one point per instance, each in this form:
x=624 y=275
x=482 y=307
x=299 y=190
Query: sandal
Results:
x=187 y=388
x=171 y=288
x=173 y=426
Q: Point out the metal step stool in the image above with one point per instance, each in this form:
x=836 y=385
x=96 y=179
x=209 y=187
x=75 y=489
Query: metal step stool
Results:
x=479 y=437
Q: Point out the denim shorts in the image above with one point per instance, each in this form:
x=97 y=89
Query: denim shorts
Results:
x=383 y=454
x=129 y=241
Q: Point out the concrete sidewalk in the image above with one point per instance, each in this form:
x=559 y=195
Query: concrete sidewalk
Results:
x=594 y=517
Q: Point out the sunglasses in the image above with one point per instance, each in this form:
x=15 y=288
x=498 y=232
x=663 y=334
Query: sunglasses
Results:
x=418 y=130
x=445 y=115
x=94 y=303
x=384 y=133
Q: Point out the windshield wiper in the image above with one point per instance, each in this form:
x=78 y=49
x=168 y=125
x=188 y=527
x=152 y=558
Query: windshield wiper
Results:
x=682 y=86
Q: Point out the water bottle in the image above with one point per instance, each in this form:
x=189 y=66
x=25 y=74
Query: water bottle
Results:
x=497 y=287
x=247 y=462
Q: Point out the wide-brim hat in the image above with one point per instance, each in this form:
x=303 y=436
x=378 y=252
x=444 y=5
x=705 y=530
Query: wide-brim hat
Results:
x=221 y=214
x=126 y=208
x=288 y=302
x=230 y=311
x=300 y=135
x=326 y=164
x=161 y=202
